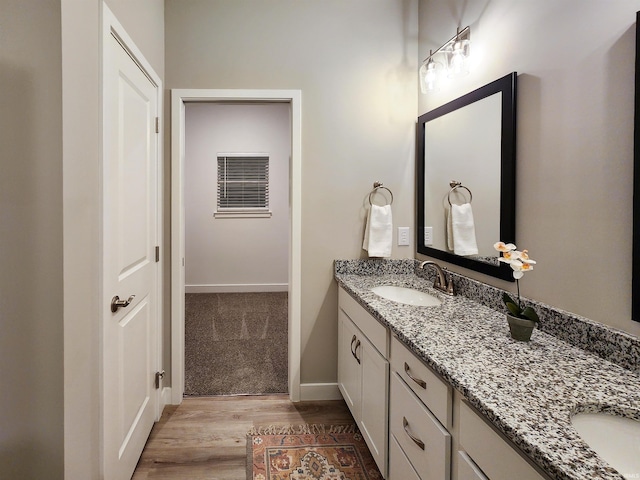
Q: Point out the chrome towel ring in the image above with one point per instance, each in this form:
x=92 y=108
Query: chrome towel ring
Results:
x=376 y=186
x=454 y=186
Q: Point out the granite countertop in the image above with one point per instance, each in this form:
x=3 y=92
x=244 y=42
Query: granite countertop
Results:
x=528 y=390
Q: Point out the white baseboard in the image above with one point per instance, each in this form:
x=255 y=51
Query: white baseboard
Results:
x=165 y=399
x=237 y=288
x=165 y=396
x=308 y=392
x=319 y=391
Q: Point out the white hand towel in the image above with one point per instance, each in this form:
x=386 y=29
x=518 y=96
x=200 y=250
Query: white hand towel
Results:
x=449 y=230
x=462 y=230
x=378 y=233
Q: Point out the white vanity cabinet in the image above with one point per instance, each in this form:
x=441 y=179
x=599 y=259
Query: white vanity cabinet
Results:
x=416 y=425
x=363 y=373
x=439 y=435
x=419 y=418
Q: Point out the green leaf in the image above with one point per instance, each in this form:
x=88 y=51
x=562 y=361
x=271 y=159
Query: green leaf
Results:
x=513 y=308
x=530 y=314
x=507 y=299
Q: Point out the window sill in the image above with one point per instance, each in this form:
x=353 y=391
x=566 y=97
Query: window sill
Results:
x=266 y=214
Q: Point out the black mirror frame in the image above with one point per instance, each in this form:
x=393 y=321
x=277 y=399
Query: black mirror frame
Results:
x=507 y=85
x=635 y=269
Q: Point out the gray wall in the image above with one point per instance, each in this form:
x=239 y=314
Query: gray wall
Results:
x=355 y=64
x=144 y=22
x=31 y=361
x=235 y=254
x=575 y=61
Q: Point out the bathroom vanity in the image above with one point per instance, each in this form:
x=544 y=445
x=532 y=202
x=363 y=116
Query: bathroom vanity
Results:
x=443 y=392
x=363 y=373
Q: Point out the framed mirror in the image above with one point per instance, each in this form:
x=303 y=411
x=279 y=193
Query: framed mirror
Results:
x=466 y=162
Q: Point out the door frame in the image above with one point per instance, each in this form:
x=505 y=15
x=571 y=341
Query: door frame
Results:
x=178 y=99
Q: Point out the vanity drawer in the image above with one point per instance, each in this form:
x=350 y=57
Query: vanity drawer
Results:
x=467 y=469
x=497 y=458
x=400 y=467
x=425 y=442
x=434 y=392
x=377 y=333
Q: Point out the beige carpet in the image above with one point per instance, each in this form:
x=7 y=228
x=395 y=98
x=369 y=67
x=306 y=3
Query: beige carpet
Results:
x=235 y=343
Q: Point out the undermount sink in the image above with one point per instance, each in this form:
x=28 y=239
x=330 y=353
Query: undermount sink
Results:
x=405 y=295
x=616 y=439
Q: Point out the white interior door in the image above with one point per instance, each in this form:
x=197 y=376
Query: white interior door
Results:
x=130 y=333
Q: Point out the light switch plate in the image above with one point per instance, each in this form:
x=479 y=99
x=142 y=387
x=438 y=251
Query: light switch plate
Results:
x=403 y=236
x=428 y=236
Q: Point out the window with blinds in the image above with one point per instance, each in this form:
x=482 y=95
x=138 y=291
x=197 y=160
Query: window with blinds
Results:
x=243 y=184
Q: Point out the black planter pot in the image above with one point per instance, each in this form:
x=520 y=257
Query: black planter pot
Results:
x=520 y=328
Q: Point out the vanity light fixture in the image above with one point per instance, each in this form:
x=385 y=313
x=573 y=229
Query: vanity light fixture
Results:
x=455 y=53
x=430 y=73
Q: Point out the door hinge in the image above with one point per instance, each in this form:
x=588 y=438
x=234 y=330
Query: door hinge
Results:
x=157 y=125
x=157 y=253
x=159 y=377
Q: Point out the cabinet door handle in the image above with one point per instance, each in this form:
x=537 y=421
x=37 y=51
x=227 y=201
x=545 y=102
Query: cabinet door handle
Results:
x=422 y=383
x=353 y=339
x=417 y=441
x=356 y=351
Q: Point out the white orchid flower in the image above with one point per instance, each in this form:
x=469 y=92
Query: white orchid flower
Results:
x=504 y=247
x=511 y=256
x=524 y=256
x=520 y=263
x=519 y=268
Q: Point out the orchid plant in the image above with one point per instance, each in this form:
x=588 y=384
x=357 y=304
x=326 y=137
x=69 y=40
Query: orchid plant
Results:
x=520 y=263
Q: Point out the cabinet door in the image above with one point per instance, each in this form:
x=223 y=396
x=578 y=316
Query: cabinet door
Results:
x=349 y=370
x=375 y=385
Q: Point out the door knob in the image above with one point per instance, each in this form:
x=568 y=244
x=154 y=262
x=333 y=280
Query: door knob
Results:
x=116 y=303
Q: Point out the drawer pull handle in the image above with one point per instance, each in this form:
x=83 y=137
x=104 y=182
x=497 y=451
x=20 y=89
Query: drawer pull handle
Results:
x=422 y=383
x=354 y=350
x=417 y=441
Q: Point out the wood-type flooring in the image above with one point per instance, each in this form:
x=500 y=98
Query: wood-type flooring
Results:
x=204 y=438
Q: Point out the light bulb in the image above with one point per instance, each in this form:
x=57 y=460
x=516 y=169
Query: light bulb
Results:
x=458 y=66
x=430 y=76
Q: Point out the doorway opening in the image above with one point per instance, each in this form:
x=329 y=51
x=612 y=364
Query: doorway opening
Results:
x=236 y=199
x=181 y=99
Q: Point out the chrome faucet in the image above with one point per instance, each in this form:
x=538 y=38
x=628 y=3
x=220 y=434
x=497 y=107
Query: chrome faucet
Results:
x=443 y=282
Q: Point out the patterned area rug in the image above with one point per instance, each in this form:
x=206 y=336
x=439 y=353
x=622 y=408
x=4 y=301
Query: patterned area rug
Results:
x=309 y=452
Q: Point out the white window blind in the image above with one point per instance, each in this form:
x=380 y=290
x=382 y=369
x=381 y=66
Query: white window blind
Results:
x=243 y=183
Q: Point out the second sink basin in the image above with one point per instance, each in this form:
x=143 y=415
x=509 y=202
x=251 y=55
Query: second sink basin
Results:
x=616 y=439
x=405 y=295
